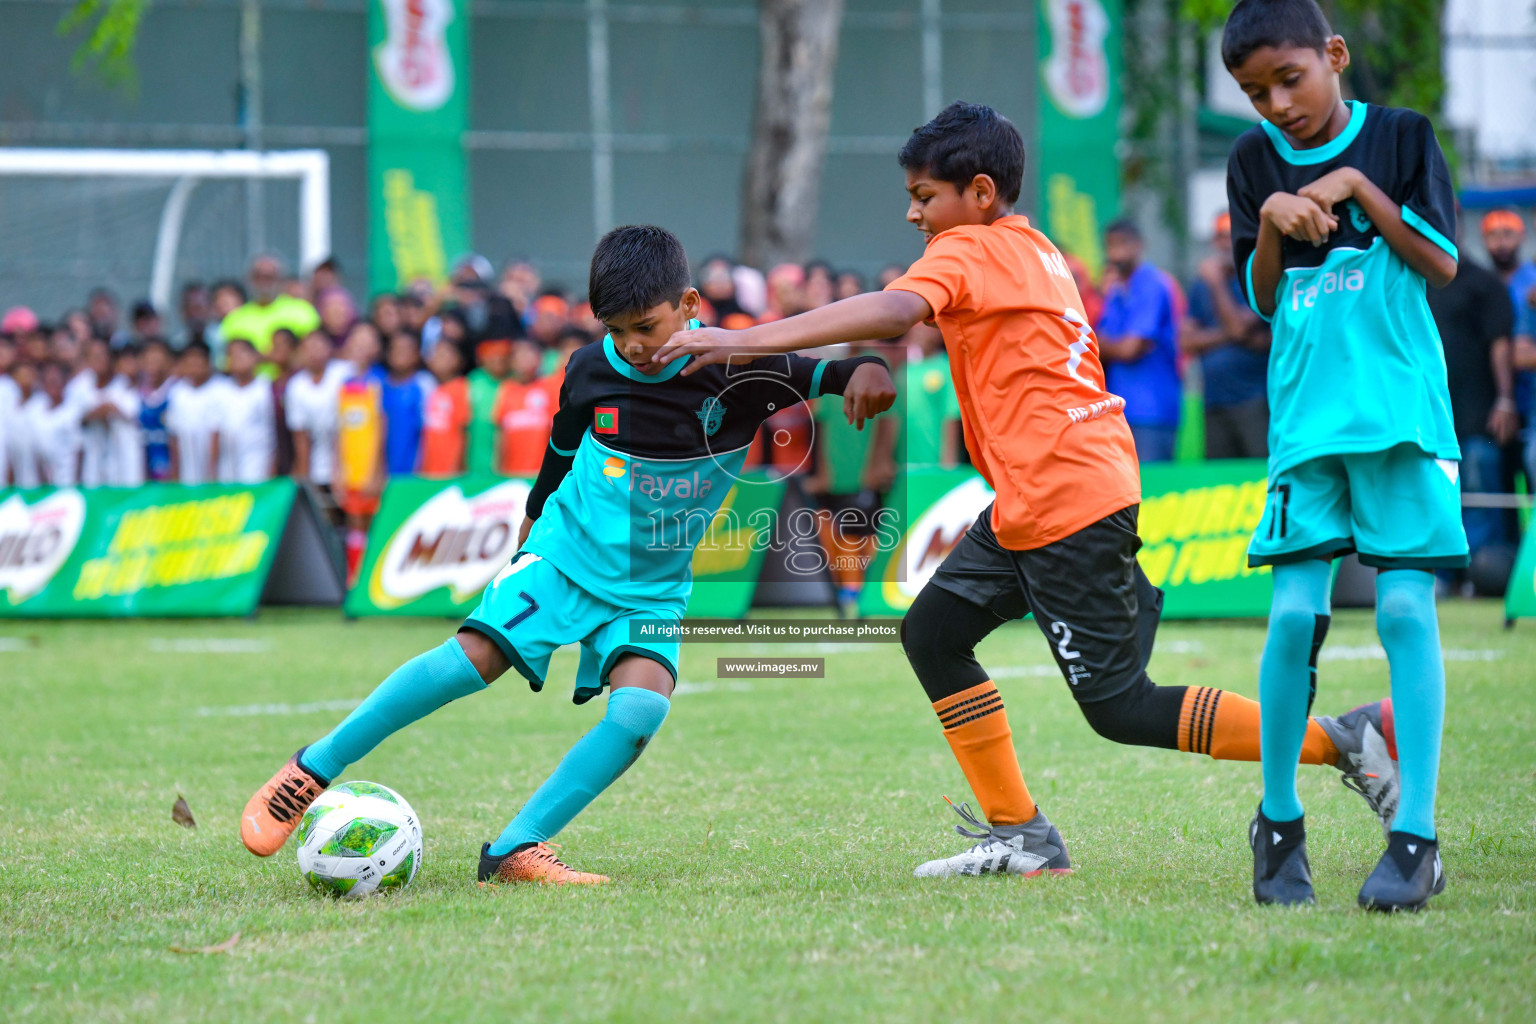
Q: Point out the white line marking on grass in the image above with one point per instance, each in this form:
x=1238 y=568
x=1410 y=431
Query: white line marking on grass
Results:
x=15 y=643
x=686 y=687
x=789 y=650
x=1375 y=652
x=208 y=645
x=252 y=710
x=1025 y=671
x=1180 y=647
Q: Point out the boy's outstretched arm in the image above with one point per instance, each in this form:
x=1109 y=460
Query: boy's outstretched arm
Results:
x=862 y=318
x=1436 y=265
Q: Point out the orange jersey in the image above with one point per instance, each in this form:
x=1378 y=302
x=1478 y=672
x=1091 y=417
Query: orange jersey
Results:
x=444 y=421
x=524 y=414
x=359 y=432
x=1039 y=425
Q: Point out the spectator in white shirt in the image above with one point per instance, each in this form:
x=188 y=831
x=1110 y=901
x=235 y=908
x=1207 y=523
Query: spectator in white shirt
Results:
x=55 y=428
x=16 y=425
x=311 y=402
x=247 y=419
x=86 y=391
x=10 y=398
x=192 y=417
x=126 y=467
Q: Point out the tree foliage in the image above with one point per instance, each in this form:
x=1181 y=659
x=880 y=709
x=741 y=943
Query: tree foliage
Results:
x=109 y=31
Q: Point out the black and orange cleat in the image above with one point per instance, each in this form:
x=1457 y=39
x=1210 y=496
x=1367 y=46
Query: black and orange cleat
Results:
x=536 y=863
x=274 y=810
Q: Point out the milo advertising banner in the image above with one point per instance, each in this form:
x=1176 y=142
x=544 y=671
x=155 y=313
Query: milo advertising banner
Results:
x=1079 y=123
x=418 y=86
x=1195 y=523
x=160 y=550
x=436 y=544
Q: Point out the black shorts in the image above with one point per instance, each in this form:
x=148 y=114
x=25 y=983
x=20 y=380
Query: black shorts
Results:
x=1089 y=596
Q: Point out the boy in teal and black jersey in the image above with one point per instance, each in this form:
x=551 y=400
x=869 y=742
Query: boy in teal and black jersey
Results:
x=639 y=461
x=1340 y=214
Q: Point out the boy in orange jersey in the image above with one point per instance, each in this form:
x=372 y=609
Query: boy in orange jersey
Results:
x=360 y=436
x=1060 y=538
x=445 y=419
x=525 y=411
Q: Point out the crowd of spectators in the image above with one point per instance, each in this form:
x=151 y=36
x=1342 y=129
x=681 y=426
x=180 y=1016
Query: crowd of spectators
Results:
x=280 y=375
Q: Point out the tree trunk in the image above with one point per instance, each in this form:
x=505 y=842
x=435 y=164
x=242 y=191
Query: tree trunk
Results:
x=782 y=186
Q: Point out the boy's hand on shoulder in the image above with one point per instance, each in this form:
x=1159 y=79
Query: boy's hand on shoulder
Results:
x=868 y=394
x=705 y=344
x=1332 y=188
x=1298 y=218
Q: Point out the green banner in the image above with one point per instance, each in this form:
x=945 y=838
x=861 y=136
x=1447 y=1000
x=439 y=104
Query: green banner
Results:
x=1079 y=124
x=1520 y=598
x=161 y=550
x=729 y=560
x=436 y=544
x=418 y=87
x=1195 y=523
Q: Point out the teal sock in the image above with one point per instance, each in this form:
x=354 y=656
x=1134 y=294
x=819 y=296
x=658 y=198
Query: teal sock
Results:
x=1410 y=632
x=598 y=758
x=412 y=691
x=1298 y=619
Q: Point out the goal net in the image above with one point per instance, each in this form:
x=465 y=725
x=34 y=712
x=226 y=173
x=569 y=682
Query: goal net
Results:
x=143 y=222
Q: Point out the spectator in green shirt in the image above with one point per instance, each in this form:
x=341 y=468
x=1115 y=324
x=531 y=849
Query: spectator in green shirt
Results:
x=268 y=310
x=495 y=362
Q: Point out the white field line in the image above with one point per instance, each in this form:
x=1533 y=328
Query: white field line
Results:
x=253 y=710
x=1374 y=652
x=687 y=687
x=10 y=644
x=208 y=645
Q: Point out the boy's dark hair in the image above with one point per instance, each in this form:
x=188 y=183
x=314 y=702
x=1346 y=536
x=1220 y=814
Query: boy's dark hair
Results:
x=231 y=343
x=1125 y=227
x=160 y=343
x=965 y=140
x=1255 y=24
x=635 y=268
x=201 y=347
x=231 y=283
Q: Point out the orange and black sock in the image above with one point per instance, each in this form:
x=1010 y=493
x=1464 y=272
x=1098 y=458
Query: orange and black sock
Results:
x=977 y=730
x=1225 y=725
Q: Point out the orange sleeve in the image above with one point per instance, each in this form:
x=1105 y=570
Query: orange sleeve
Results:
x=945 y=275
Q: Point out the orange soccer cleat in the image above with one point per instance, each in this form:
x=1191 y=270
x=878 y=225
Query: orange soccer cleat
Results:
x=273 y=812
x=536 y=863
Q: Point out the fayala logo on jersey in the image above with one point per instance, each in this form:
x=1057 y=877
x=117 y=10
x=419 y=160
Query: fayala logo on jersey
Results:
x=1304 y=291
x=711 y=414
x=35 y=541
x=413 y=60
x=1077 y=71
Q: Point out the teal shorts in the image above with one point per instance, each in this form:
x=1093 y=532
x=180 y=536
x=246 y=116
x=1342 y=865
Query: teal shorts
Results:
x=1399 y=508
x=531 y=609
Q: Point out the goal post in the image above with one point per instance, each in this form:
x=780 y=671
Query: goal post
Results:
x=182 y=171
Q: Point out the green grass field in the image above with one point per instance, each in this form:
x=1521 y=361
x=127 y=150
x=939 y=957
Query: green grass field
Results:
x=761 y=851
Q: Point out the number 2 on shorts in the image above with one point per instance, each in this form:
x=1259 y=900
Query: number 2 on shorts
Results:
x=1063 y=646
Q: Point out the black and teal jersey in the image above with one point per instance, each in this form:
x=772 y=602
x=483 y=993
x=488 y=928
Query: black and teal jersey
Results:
x=638 y=464
x=1356 y=363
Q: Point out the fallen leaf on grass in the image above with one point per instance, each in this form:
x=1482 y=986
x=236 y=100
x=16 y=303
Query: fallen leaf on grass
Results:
x=181 y=814
x=223 y=947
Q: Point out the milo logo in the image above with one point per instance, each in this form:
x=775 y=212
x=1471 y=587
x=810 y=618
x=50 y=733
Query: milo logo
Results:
x=450 y=541
x=932 y=537
x=413 y=60
x=35 y=541
x=1077 y=71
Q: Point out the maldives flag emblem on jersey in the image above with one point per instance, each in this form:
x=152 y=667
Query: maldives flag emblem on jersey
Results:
x=605 y=419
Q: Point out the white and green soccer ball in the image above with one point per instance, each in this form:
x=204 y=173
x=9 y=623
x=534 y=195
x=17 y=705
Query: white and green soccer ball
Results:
x=358 y=838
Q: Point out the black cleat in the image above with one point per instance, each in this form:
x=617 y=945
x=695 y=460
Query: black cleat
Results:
x=1281 y=874
x=1407 y=875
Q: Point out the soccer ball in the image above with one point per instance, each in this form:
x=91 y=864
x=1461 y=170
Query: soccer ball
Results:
x=358 y=838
